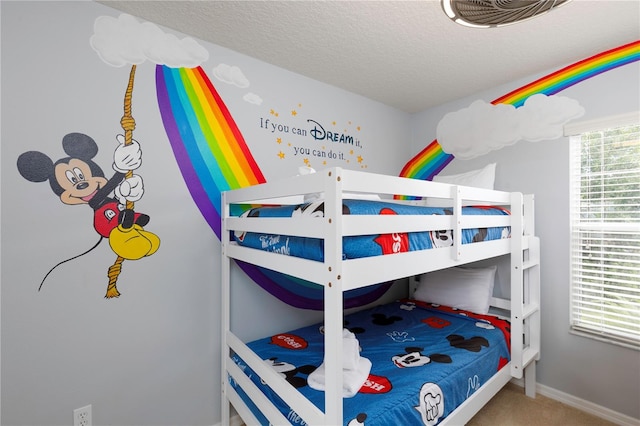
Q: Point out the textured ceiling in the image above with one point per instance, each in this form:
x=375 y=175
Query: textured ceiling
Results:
x=405 y=54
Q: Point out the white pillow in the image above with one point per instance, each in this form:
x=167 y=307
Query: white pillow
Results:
x=481 y=178
x=463 y=288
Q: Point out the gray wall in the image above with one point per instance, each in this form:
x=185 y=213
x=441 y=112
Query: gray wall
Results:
x=602 y=373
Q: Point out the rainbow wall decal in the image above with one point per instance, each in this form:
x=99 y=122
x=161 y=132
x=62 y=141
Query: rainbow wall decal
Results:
x=573 y=74
x=206 y=142
x=428 y=163
x=213 y=157
x=431 y=160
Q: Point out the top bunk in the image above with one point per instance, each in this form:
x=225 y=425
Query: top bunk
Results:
x=352 y=207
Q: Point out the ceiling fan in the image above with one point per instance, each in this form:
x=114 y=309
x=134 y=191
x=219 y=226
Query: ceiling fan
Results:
x=496 y=13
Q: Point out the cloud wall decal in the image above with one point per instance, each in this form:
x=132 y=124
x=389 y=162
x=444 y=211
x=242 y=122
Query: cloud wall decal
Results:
x=483 y=127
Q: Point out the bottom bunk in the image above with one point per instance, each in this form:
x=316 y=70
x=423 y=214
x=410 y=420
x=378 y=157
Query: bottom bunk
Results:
x=406 y=362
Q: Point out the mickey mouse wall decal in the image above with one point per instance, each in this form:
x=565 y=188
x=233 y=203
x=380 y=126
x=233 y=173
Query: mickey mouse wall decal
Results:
x=77 y=179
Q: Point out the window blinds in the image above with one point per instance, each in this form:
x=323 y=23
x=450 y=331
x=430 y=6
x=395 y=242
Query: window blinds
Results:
x=605 y=234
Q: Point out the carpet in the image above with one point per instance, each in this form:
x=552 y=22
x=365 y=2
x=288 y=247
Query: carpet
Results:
x=511 y=407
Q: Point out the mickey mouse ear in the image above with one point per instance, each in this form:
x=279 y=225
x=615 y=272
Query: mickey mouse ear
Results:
x=35 y=166
x=79 y=145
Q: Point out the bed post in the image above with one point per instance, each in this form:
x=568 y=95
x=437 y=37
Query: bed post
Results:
x=333 y=296
x=225 y=322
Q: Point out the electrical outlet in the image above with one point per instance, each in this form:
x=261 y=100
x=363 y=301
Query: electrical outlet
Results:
x=82 y=416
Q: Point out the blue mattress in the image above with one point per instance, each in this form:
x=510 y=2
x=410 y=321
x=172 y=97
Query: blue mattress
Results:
x=366 y=245
x=458 y=352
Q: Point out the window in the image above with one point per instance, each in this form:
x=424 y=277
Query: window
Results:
x=605 y=229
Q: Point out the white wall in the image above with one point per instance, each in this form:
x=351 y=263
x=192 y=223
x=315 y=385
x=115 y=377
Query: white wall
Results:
x=150 y=357
x=602 y=373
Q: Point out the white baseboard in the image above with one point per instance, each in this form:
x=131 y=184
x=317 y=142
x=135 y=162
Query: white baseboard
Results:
x=583 y=405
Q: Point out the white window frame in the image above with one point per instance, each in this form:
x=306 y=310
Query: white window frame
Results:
x=583 y=319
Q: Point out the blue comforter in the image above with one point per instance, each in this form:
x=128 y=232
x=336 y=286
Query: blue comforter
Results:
x=426 y=360
x=366 y=245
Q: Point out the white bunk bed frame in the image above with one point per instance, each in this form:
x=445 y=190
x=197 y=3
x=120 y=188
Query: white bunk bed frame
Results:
x=338 y=275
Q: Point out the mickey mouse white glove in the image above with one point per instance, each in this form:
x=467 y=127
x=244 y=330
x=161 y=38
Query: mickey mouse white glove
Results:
x=129 y=190
x=127 y=157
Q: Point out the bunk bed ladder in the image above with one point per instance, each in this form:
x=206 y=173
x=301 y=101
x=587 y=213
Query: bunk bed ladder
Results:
x=525 y=292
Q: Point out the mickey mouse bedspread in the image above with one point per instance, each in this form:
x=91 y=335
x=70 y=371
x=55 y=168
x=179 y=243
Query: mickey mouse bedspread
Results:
x=426 y=360
x=366 y=245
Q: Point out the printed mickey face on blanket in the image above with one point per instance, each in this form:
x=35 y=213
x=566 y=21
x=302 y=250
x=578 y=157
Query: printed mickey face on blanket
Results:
x=414 y=358
x=314 y=209
x=442 y=238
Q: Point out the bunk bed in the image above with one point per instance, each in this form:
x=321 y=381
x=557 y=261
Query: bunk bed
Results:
x=255 y=387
